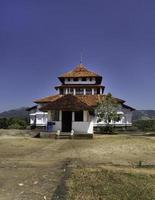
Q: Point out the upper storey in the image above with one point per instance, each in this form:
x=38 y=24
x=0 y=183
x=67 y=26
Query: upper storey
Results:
x=80 y=75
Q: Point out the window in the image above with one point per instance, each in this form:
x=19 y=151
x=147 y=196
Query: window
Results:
x=79 y=116
x=68 y=79
x=95 y=91
x=61 y=91
x=75 y=79
x=71 y=91
x=98 y=90
x=83 y=79
x=79 y=91
x=56 y=115
x=88 y=91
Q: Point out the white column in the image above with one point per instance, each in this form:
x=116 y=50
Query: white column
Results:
x=100 y=90
x=85 y=115
x=73 y=116
x=92 y=91
x=60 y=115
x=66 y=92
x=74 y=91
x=58 y=90
x=84 y=91
x=49 y=115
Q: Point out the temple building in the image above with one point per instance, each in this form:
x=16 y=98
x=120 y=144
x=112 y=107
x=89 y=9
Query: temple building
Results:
x=73 y=108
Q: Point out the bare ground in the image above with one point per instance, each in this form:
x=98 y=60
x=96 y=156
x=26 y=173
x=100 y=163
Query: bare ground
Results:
x=36 y=169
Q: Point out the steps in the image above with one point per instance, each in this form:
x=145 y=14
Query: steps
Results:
x=64 y=135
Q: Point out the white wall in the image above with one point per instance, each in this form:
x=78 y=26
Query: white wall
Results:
x=82 y=127
x=93 y=81
x=38 y=118
x=57 y=126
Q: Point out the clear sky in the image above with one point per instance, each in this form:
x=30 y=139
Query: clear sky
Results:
x=41 y=39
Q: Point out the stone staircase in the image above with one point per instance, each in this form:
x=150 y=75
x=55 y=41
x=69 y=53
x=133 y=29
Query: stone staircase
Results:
x=64 y=135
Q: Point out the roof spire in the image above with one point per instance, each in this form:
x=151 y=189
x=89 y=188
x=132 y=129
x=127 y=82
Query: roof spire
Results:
x=81 y=58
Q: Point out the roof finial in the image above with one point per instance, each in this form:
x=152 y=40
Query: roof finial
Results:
x=81 y=57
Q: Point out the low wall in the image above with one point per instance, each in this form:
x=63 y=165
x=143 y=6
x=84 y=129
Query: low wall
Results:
x=82 y=127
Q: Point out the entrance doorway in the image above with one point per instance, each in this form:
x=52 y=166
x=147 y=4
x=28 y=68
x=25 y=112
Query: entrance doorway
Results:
x=66 y=121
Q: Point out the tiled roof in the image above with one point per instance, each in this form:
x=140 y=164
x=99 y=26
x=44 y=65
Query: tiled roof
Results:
x=75 y=102
x=79 y=71
x=47 y=99
x=68 y=103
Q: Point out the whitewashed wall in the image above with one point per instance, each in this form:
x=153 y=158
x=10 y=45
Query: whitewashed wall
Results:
x=93 y=81
x=82 y=127
x=57 y=126
x=38 y=118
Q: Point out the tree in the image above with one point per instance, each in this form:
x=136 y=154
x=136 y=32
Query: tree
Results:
x=4 y=123
x=107 y=111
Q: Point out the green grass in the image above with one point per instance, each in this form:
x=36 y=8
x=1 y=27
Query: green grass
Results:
x=104 y=184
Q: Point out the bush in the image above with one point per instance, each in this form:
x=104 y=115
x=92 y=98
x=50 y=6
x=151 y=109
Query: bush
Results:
x=145 y=125
x=13 y=123
x=4 y=123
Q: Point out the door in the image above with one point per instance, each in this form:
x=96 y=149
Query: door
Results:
x=66 y=121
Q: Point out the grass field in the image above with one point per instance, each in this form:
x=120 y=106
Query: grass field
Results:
x=105 y=167
x=91 y=183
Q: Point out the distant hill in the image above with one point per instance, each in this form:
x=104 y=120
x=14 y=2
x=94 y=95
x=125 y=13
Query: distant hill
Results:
x=17 y=113
x=143 y=114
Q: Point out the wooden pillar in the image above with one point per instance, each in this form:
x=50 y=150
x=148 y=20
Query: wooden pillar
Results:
x=93 y=91
x=60 y=115
x=49 y=115
x=74 y=91
x=73 y=116
x=85 y=115
x=84 y=91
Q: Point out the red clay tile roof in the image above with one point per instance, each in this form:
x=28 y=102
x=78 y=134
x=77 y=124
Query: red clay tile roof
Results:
x=47 y=99
x=79 y=71
x=68 y=103
x=75 y=102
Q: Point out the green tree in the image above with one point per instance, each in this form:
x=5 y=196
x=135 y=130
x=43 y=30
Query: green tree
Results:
x=4 y=123
x=15 y=123
x=107 y=111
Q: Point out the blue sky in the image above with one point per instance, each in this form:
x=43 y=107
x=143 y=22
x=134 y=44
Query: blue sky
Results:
x=39 y=40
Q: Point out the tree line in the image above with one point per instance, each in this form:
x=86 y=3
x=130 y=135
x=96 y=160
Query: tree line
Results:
x=13 y=123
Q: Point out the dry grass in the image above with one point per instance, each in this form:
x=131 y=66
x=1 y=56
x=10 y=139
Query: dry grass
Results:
x=38 y=163
x=104 y=184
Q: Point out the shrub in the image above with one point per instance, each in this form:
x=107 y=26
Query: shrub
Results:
x=145 y=125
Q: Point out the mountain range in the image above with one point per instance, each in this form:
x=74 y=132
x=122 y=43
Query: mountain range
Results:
x=15 y=113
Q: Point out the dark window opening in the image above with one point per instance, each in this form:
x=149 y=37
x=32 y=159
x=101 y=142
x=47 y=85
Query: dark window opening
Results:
x=61 y=91
x=79 y=116
x=88 y=91
x=75 y=79
x=98 y=90
x=83 y=79
x=71 y=91
x=95 y=91
x=56 y=115
x=79 y=91
x=69 y=79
